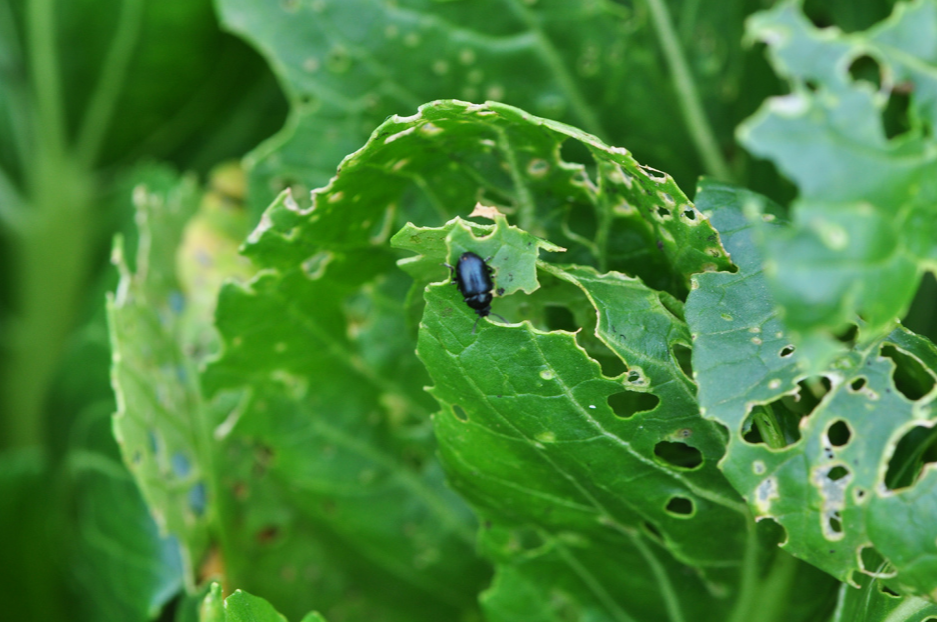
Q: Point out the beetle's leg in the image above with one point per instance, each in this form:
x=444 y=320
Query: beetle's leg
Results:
x=500 y=318
x=475 y=325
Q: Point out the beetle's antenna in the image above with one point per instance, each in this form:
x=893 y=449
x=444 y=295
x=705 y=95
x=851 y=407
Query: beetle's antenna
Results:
x=500 y=318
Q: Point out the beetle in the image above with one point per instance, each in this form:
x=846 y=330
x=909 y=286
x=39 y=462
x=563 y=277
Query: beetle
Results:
x=472 y=276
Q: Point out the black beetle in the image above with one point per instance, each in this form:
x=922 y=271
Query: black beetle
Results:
x=473 y=278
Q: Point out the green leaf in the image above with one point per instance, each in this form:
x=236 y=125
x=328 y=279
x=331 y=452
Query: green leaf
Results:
x=451 y=155
x=863 y=226
x=29 y=585
x=589 y=507
x=243 y=607
x=836 y=459
x=603 y=66
x=127 y=572
x=160 y=423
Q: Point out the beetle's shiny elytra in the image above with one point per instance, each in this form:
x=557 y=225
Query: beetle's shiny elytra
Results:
x=472 y=276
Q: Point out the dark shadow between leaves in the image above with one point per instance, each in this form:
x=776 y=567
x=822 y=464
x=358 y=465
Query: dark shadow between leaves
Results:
x=911 y=378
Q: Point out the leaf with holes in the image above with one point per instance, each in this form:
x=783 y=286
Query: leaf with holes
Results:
x=838 y=459
x=875 y=602
x=587 y=504
x=450 y=155
x=159 y=419
x=864 y=225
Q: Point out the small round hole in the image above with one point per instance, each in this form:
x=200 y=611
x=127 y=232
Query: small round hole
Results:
x=857 y=384
x=786 y=351
x=459 y=413
x=837 y=473
x=838 y=434
x=680 y=506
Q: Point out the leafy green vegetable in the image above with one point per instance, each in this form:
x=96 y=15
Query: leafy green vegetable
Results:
x=863 y=227
x=561 y=482
x=831 y=473
x=348 y=64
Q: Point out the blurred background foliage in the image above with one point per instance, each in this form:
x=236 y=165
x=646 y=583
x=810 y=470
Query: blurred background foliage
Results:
x=94 y=92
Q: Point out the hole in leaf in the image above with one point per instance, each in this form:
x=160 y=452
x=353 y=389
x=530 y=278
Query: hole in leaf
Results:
x=683 y=356
x=866 y=69
x=836 y=523
x=857 y=384
x=847 y=335
x=915 y=449
x=559 y=318
x=663 y=212
x=786 y=351
x=459 y=413
x=838 y=434
x=859 y=494
x=770 y=530
x=575 y=152
x=581 y=222
x=777 y=424
x=848 y=17
x=895 y=116
x=910 y=377
x=680 y=506
x=612 y=366
x=629 y=403
x=871 y=561
x=837 y=473
x=884 y=589
x=689 y=214
x=678 y=454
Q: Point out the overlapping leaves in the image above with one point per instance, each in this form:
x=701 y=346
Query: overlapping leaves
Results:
x=838 y=459
x=348 y=64
x=865 y=222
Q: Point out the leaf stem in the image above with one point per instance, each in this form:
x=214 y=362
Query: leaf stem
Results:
x=44 y=68
x=110 y=83
x=767 y=423
x=50 y=246
x=691 y=105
